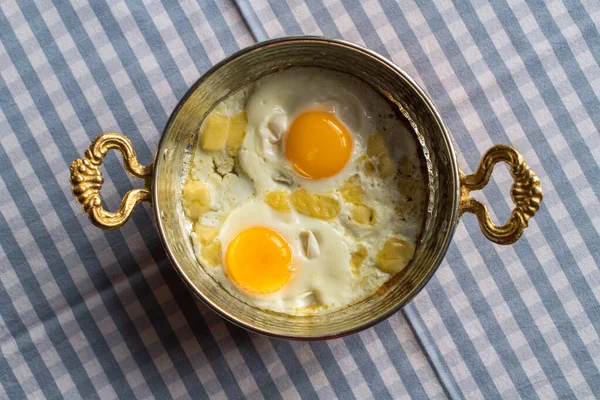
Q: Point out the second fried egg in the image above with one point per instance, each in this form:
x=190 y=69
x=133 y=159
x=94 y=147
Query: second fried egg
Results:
x=269 y=261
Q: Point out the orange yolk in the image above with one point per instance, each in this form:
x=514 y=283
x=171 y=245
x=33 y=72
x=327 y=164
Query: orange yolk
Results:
x=318 y=145
x=259 y=260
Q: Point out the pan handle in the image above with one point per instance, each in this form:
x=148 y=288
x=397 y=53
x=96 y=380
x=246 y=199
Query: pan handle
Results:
x=526 y=193
x=87 y=180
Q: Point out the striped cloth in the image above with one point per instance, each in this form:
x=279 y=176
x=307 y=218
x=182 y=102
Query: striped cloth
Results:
x=86 y=313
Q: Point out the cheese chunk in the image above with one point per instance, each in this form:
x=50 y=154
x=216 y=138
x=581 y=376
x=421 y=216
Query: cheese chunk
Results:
x=357 y=258
x=363 y=215
x=214 y=134
x=315 y=205
x=195 y=199
x=212 y=253
x=206 y=234
x=278 y=200
x=381 y=162
x=352 y=191
x=394 y=255
x=237 y=131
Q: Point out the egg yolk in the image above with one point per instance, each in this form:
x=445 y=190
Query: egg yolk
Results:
x=259 y=260
x=318 y=145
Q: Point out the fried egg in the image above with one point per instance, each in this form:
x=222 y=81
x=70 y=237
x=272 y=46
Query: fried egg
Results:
x=270 y=261
x=306 y=127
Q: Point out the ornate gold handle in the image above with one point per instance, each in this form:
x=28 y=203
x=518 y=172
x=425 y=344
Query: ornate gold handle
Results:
x=87 y=180
x=526 y=193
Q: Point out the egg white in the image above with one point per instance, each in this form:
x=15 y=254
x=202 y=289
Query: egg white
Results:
x=237 y=201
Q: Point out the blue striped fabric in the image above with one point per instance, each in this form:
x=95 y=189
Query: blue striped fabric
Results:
x=86 y=313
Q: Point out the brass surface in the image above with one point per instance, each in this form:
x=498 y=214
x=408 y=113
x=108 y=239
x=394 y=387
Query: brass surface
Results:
x=244 y=68
x=526 y=193
x=87 y=180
